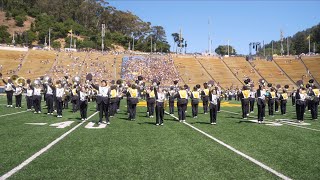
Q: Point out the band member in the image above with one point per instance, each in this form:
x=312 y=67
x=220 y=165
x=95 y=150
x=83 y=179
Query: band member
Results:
x=205 y=98
x=213 y=99
x=150 y=95
x=300 y=104
x=245 y=93
x=67 y=98
x=171 y=95
x=133 y=100
x=277 y=101
x=29 y=97
x=252 y=99
x=218 y=90
x=182 y=97
x=283 y=101
x=160 y=98
x=50 y=90
x=195 y=97
x=18 y=95
x=261 y=103
x=59 y=98
x=103 y=100
x=314 y=102
x=75 y=98
x=113 y=100
x=9 y=87
x=293 y=96
x=309 y=93
x=83 y=103
x=37 y=98
x=271 y=99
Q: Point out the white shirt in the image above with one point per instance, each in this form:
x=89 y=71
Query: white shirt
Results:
x=161 y=97
x=29 y=92
x=49 y=90
x=214 y=99
x=37 y=92
x=103 y=91
x=18 y=91
x=302 y=97
x=8 y=87
x=262 y=94
x=59 y=92
x=83 y=96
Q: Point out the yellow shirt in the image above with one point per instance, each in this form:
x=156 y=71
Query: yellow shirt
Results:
x=285 y=96
x=246 y=93
x=206 y=92
x=273 y=94
x=196 y=94
x=134 y=93
x=151 y=94
x=316 y=92
x=183 y=94
x=113 y=93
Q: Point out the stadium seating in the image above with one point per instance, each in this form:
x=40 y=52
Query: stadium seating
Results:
x=242 y=69
x=220 y=73
x=294 y=68
x=271 y=73
x=191 y=71
x=313 y=64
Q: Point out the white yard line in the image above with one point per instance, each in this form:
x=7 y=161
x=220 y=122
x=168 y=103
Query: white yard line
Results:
x=237 y=151
x=12 y=113
x=43 y=150
x=281 y=122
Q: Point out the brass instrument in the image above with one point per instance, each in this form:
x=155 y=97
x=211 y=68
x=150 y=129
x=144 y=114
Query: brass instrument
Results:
x=76 y=80
x=20 y=81
x=14 y=77
x=46 y=80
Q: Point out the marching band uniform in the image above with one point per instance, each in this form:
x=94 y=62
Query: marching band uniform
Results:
x=75 y=99
x=9 y=87
x=150 y=95
x=300 y=104
x=252 y=99
x=59 y=100
x=314 y=102
x=205 y=98
x=182 y=97
x=133 y=100
x=49 y=89
x=113 y=101
x=283 y=102
x=261 y=103
x=67 y=98
x=277 y=101
x=213 y=99
x=171 y=95
x=293 y=97
x=219 y=98
x=83 y=104
x=160 y=98
x=272 y=96
x=195 y=97
x=18 y=95
x=37 y=99
x=29 y=97
x=245 y=93
x=103 y=101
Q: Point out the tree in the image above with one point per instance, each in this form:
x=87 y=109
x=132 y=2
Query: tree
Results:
x=56 y=44
x=223 y=50
x=4 y=34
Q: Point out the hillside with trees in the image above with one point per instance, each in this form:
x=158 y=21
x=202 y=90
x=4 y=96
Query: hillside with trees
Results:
x=84 y=18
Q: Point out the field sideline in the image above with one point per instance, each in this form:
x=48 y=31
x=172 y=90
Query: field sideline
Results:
x=140 y=150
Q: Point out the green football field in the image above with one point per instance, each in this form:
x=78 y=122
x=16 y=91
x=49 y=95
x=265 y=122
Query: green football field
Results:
x=232 y=149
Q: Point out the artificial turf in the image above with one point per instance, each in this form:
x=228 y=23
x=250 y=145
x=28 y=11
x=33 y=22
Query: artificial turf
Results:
x=140 y=150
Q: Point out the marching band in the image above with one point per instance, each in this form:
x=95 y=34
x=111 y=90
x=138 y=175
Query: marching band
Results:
x=108 y=97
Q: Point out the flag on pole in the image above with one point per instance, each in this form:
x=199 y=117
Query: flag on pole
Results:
x=70 y=31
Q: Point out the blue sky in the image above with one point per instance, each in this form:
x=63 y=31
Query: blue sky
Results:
x=240 y=22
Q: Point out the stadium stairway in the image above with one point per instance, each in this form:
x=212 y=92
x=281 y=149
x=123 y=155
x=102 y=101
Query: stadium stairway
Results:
x=312 y=64
x=220 y=73
x=293 y=82
x=242 y=69
x=191 y=71
x=271 y=73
